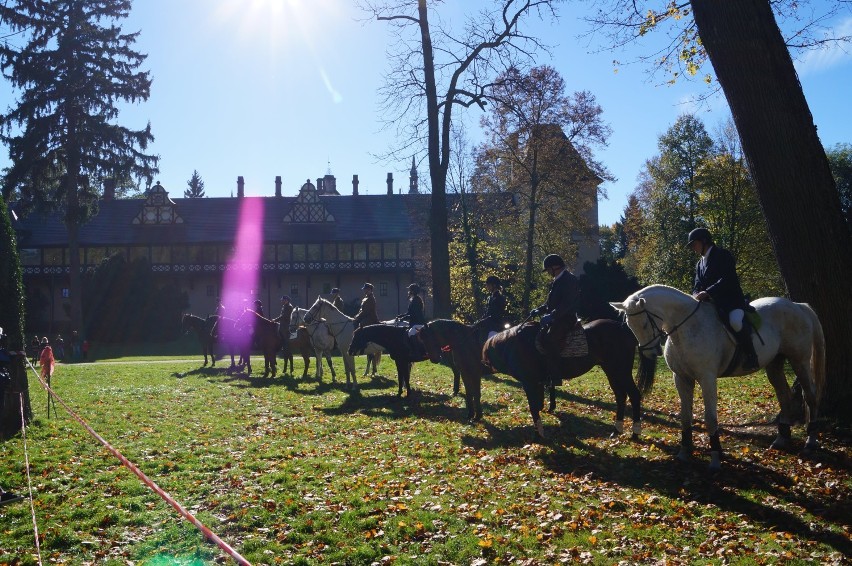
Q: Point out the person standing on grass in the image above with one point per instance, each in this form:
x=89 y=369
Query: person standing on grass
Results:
x=46 y=360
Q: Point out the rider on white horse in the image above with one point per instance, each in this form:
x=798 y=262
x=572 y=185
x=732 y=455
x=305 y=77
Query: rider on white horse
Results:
x=716 y=279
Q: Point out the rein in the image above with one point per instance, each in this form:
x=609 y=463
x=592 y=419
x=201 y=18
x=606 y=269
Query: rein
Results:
x=659 y=333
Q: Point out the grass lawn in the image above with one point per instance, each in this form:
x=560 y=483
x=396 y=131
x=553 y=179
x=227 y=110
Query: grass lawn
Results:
x=290 y=471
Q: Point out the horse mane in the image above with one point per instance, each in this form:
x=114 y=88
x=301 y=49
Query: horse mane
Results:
x=656 y=290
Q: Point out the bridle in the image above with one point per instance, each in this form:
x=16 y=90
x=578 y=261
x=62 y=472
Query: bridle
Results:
x=659 y=333
x=309 y=319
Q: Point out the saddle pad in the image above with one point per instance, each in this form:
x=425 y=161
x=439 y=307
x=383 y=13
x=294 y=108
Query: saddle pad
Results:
x=575 y=344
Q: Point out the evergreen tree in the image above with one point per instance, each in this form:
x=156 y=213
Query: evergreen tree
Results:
x=74 y=66
x=840 y=161
x=196 y=186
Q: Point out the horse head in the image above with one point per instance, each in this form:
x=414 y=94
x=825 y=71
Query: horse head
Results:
x=315 y=311
x=429 y=339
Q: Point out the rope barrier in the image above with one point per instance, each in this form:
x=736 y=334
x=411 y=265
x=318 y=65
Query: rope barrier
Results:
x=29 y=479
x=145 y=479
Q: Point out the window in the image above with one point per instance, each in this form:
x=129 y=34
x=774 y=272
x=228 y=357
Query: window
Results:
x=283 y=252
x=66 y=292
x=326 y=288
x=383 y=289
x=138 y=252
x=179 y=254
x=375 y=250
x=53 y=256
x=211 y=290
x=94 y=256
x=225 y=252
x=30 y=256
x=160 y=254
x=390 y=250
x=405 y=250
x=329 y=252
x=269 y=253
x=299 y=252
x=344 y=252
x=314 y=252
x=360 y=252
x=294 y=290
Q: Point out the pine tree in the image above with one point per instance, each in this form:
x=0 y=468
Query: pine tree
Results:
x=196 y=186
x=73 y=67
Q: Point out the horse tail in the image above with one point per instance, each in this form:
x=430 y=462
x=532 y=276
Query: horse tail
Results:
x=817 y=351
x=645 y=373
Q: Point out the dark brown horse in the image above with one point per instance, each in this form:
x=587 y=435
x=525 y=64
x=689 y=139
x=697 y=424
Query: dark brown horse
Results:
x=611 y=346
x=396 y=343
x=203 y=329
x=266 y=335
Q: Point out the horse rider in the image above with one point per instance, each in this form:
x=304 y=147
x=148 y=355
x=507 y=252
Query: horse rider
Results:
x=336 y=300
x=716 y=280
x=559 y=314
x=495 y=309
x=415 y=314
x=367 y=314
x=286 y=310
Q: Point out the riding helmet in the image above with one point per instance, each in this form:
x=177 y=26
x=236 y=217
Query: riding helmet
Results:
x=553 y=260
x=285 y=298
x=367 y=286
x=492 y=280
x=414 y=288
x=699 y=235
x=335 y=290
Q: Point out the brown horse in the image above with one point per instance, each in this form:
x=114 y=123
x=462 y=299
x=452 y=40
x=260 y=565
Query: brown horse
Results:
x=266 y=334
x=302 y=345
x=611 y=346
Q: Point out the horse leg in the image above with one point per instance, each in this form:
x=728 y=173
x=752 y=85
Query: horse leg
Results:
x=456 y=384
x=686 y=391
x=807 y=380
x=709 y=391
x=402 y=369
x=775 y=373
x=307 y=362
x=349 y=368
x=330 y=368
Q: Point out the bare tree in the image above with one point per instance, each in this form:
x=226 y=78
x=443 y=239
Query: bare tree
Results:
x=433 y=70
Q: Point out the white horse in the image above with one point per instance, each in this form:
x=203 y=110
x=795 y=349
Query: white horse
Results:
x=321 y=339
x=342 y=327
x=700 y=349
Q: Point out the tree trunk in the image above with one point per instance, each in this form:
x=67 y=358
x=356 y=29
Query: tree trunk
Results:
x=439 y=237
x=530 y=251
x=812 y=243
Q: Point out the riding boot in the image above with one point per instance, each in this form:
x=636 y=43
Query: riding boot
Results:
x=554 y=370
x=749 y=355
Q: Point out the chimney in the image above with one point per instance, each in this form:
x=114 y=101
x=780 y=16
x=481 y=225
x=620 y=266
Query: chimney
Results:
x=278 y=185
x=355 y=185
x=109 y=189
x=390 y=183
x=241 y=187
x=320 y=186
x=329 y=184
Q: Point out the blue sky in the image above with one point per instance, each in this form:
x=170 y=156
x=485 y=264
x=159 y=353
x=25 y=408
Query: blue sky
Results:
x=261 y=88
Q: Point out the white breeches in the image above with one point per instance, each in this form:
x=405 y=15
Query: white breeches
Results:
x=736 y=319
x=413 y=330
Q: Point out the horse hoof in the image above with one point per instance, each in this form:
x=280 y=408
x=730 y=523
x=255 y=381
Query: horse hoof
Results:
x=715 y=461
x=634 y=437
x=684 y=456
x=780 y=443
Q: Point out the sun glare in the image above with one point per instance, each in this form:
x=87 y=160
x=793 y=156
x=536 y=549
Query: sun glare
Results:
x=282 y=21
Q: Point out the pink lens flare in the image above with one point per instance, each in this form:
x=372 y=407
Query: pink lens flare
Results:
x=242 y=272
